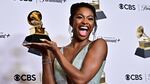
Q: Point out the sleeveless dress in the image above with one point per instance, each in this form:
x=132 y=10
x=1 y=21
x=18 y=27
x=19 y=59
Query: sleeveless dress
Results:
x=60 y=75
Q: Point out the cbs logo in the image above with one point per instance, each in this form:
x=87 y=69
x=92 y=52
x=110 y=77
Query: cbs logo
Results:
x=25 y=77
x=133 y=77
x=127 y=6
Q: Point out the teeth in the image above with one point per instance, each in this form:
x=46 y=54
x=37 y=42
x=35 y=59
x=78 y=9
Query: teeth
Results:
x=84 y=27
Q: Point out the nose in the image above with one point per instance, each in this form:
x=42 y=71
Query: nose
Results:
x=85 y=21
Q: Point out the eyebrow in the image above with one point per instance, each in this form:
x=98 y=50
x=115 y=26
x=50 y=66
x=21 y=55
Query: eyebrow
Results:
x=83 y=15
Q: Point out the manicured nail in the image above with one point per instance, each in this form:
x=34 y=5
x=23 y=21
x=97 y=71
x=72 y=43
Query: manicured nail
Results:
x=26 y=43
x=42 y=39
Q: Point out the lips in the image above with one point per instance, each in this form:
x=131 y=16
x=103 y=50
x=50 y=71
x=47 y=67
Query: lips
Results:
x=83 y=30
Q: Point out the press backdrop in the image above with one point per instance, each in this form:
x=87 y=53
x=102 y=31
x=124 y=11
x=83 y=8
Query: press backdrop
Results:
x=17 y=66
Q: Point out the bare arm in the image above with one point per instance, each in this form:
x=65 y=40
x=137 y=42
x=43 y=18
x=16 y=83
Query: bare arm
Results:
x=48 y=70
x=91 y=64
x=47 y=62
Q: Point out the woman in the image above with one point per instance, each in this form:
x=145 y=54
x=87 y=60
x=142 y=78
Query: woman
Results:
x=80 y=62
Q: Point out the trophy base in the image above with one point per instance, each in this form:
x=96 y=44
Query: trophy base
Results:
x=100 y=15
x=35 y=38
x=142 y=53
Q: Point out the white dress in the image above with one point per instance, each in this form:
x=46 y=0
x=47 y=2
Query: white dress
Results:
x=60 y=75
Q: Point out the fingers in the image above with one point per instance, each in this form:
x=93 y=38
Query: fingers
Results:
x=26 y=45
x=48 y=42
x=34 y=45
x=45 y=40
x=45 y=44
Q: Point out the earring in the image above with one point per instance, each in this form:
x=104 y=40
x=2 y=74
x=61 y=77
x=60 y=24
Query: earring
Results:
x=70 y=31
x=94 y=33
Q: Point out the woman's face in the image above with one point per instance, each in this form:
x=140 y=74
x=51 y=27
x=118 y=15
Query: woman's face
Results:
x=83 y=23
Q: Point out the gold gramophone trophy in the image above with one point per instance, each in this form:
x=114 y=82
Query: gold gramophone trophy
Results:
x=37 y=31
x=99 y=13
x=144 y=43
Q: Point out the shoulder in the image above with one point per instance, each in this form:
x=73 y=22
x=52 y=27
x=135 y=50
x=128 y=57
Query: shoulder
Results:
x=99 y=48
x=99 y=43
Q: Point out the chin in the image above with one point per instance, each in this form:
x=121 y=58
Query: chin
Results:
x=84 y=38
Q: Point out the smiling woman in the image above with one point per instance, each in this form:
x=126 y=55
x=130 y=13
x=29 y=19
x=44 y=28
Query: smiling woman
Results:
x=81 y=61
x=83 y=22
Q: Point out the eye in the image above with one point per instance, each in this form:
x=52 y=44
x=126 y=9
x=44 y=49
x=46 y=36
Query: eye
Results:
x=91 y=18
x=79 y=16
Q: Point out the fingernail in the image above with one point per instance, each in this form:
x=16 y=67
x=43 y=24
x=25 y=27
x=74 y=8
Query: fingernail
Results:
x=42 y=39
x=26 y=43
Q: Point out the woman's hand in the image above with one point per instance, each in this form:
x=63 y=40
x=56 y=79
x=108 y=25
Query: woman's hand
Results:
x=49 y=44
x=46 y=47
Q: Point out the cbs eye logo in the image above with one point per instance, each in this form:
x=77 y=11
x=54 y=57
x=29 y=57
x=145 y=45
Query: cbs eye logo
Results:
x=133 y=77
x=127 y=6
x=25 y=77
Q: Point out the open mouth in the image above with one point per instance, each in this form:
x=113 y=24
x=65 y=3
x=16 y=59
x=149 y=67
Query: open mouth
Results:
x=83 y=30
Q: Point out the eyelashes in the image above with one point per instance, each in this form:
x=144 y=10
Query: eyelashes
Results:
x=91 y=18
